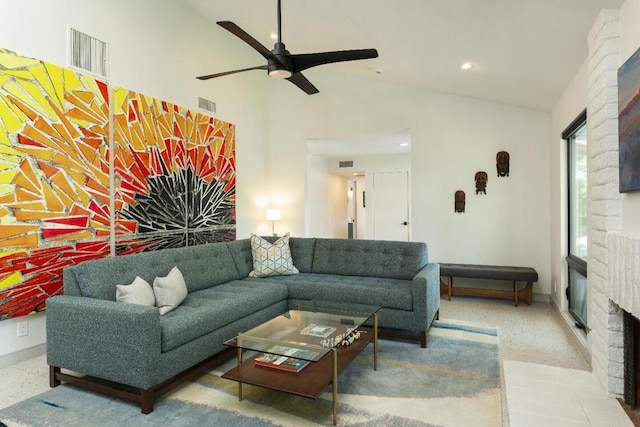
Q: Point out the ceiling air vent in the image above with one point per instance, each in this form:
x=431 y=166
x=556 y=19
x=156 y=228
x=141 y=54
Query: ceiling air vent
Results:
x=87 y=53
x=346 y=164
x=207 y=105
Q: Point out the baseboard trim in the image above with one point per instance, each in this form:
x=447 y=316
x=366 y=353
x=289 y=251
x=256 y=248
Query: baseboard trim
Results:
x=22 y=355
x=568 y=323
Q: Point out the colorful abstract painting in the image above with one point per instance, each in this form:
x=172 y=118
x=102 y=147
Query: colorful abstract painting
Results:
x=629 y=123
x=175 y=175
x=54 y=178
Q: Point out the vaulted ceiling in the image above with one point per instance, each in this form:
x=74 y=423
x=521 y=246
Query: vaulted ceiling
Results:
x=524 y=52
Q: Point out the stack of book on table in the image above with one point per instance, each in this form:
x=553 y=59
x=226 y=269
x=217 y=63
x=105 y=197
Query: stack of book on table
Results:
x=287 y=358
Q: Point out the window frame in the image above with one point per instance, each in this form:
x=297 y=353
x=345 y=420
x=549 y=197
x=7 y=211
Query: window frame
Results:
x=573 y=262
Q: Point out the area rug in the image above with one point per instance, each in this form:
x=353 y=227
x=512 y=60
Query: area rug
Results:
x=455 y=381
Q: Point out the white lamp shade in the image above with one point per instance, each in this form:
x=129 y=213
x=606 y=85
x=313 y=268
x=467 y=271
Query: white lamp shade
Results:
x=273 y=215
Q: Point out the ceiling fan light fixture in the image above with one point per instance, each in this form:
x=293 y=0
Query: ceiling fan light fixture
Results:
x=280 y=74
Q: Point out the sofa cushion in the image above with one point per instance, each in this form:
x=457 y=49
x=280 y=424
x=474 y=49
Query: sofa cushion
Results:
x=210 y=309
x=389 y=293
x=302 y=250
x=169 y=290
x=371 y=258
x=99 y=278
x=241 y=253
x=271 y=259
x=138 y=292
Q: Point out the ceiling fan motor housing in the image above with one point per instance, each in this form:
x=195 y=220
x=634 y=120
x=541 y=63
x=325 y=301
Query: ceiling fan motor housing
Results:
x=281 y=65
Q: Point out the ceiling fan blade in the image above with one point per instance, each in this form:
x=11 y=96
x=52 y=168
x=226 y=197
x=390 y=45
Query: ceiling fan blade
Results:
x=226 y=73
x=301 y=81
x=307 y=60
x=242 y=35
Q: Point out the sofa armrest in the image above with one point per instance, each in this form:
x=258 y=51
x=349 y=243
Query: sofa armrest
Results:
x=425 y=292
x=107 y=339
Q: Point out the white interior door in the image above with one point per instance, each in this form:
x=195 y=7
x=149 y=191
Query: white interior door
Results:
x=391 y=206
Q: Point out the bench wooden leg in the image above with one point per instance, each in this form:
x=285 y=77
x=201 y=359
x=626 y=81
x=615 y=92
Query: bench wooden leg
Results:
x=527 y=293
x=445 y=288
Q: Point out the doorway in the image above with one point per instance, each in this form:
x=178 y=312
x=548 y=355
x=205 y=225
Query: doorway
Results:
x=356 y=207
x=352 y=164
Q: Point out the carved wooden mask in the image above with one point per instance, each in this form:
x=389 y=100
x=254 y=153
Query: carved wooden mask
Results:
x=481 y=182
x=502 y=163
x=459 y=201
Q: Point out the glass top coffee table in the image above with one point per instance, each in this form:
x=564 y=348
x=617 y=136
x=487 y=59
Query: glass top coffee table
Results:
x=302 y=351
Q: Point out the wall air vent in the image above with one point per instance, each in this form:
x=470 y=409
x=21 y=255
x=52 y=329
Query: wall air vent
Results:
x=346 y=164
x=207 y=105
x=87 y=53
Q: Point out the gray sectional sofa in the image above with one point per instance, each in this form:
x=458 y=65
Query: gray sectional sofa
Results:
x=143 y=354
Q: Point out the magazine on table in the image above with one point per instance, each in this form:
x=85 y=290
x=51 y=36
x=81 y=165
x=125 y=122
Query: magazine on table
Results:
x=318 y=330
x=289 y=359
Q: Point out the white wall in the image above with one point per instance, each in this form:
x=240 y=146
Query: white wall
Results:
x=156 y=47
x=452 y=138
x=327 y=210
x=572 y=102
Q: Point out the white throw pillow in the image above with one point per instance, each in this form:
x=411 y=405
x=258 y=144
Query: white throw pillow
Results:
x=138 y=292
x=271 y=259
x=170 y=290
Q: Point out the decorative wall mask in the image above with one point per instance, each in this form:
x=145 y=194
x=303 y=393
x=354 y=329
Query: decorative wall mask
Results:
x=502 y=163
x=459 y=201
x=481 y=182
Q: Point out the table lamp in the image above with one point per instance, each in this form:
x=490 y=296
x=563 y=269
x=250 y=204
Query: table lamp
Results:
x=273 y=215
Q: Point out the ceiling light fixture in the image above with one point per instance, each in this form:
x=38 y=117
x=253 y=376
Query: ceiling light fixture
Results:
x=404 y=144
x=467 y=66
x=280 y=74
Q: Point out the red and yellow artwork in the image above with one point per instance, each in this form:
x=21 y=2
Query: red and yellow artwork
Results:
x=54 y=178
x=175 y=175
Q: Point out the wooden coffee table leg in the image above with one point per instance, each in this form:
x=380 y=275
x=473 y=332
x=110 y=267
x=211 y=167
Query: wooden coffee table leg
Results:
x=334 y=355
x=375 y=341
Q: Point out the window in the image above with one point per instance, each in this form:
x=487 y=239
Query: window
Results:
x=576 y=137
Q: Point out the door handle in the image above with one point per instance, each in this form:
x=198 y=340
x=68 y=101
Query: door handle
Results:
x=405 y=223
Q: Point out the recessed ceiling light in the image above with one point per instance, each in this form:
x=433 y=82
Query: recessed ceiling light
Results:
x=467 y=66
x=404 y=144
x=274 y=36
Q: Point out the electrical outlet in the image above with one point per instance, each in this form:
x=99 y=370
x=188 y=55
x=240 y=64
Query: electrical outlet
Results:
x=23 y=329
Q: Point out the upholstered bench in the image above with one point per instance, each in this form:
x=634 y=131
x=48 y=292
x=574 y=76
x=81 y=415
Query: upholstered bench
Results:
x=495 y=272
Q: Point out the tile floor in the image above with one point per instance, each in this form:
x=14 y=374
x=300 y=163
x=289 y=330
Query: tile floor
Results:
x=541 y=395
x=546 y=377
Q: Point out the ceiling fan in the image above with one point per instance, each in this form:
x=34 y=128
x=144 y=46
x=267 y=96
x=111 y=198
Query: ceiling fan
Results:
x=282 y=64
